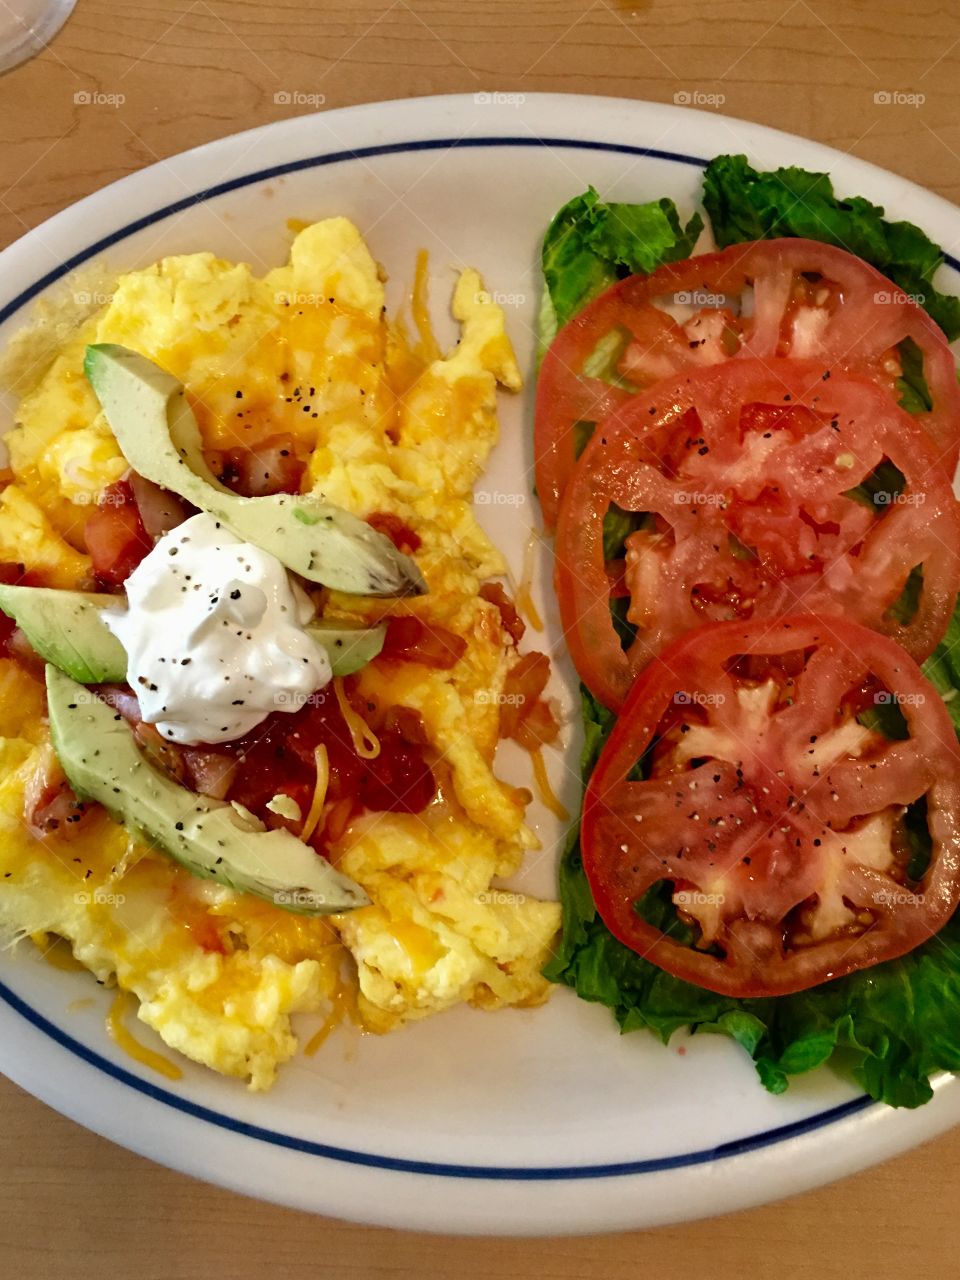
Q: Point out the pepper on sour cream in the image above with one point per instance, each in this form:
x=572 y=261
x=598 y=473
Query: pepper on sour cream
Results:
x=214 y=635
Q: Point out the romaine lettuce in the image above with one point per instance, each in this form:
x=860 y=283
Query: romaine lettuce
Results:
x=743 y=204
x=590 y=244
x=891 y=1026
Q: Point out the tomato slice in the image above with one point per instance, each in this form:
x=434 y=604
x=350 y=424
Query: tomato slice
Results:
x=766 y=848
x=763 y=299
x=747 y=476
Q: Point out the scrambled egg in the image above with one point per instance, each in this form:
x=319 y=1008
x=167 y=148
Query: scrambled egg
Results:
x=385 y=426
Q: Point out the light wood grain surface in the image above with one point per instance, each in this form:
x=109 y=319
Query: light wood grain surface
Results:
x=72 y=1204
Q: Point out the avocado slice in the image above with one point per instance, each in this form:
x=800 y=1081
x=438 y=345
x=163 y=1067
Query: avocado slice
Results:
x=212 y=839
x=348 y=648
x=65 y=628
x=154 y=425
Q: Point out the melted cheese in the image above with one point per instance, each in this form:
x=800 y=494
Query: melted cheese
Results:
x=428 y=349
x=56 y=952
x=343 y=1007
x=123 y=1039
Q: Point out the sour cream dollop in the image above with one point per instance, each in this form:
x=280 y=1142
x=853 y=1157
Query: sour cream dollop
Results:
x=214 y=635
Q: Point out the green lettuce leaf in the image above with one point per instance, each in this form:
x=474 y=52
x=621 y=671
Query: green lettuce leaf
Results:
x=914 y=393
x=942 y=669
x=746 y=205
x=590 y=244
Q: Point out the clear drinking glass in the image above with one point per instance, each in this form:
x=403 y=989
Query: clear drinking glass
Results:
x=27 y=25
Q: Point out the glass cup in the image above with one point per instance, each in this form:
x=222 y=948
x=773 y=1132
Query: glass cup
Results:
x=26 y=26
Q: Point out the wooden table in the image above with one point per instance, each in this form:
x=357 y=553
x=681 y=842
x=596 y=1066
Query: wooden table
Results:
x=74 y=1205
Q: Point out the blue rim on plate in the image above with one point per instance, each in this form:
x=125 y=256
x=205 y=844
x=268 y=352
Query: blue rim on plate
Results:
x=725 y=1151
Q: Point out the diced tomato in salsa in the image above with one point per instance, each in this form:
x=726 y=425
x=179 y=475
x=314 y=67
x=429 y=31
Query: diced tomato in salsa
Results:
x=50 y=803
x=399 y=780
x=279 y=756
x=14 y=575
x=115 y=535
x=524 y=715
x=271 y=466
x=399 y=533
x=512 y=623
x=411 y=640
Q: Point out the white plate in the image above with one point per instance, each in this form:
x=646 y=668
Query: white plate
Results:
x=521 y=1122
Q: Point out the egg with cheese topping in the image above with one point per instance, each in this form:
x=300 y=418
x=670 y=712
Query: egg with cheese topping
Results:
x=382 y=425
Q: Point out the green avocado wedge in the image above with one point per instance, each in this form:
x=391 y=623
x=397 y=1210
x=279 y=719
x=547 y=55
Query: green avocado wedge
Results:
x=66 y=629
x=154 y=425
x=348 y=648
x=210 y=838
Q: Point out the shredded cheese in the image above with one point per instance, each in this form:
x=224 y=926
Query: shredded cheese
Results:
x=343 y=1006
x=285 y=806
x=521 y=591
x=132 y=1047
x=428 y=348
x=365 y=742
x=319 y=792
x=544 y=788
